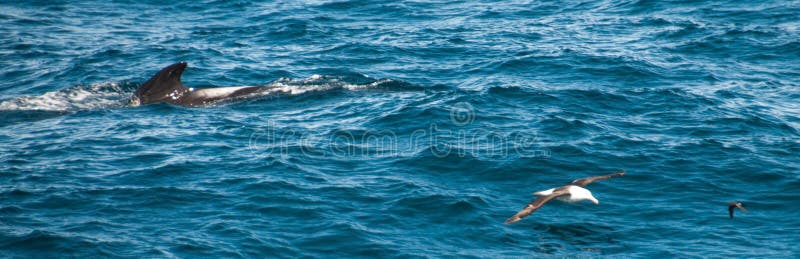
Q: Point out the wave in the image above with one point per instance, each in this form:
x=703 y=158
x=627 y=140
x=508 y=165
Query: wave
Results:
x=81 y=97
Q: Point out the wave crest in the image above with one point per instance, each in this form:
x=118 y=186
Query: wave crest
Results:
x=81 y=97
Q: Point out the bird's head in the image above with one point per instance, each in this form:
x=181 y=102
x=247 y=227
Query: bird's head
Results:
x=579 y=193
x=593 y=199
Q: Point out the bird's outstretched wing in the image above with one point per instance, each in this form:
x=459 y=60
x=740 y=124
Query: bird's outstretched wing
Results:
x=585 y=181
x=536 y=204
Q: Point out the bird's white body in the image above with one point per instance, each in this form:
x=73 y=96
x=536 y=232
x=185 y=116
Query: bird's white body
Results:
x=576 y=194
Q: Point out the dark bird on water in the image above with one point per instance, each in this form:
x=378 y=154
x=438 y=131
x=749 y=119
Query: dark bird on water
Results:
x=735 y=204
x=572 y=192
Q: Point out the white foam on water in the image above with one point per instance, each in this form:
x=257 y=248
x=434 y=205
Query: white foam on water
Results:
x=82 y=97
x=317 y=83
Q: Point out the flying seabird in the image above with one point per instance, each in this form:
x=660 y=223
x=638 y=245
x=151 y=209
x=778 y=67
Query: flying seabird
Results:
x=735 y=204
x=572 y=192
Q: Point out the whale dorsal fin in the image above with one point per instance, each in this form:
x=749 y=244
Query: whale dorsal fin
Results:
x=164 y=86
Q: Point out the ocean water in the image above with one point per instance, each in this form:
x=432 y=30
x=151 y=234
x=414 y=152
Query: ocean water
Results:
x=409 y=129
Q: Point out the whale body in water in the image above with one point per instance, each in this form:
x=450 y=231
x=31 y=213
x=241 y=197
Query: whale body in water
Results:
x=165 y=86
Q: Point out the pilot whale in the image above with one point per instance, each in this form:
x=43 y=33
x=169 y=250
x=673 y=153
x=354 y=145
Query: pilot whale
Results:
x=165 y=86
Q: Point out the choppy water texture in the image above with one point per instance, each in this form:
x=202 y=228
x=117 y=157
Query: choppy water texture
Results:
x=401 y=129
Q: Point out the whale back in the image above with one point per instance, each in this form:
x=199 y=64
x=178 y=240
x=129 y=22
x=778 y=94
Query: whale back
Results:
x=164 y=86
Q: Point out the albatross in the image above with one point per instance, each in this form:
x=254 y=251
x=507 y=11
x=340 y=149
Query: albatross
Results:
x=735 y=204
x=572 y=192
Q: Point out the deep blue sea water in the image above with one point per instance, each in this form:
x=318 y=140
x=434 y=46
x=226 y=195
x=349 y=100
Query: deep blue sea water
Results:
x=408 y=129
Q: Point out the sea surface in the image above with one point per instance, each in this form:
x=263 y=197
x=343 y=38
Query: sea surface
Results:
x=401 y=129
